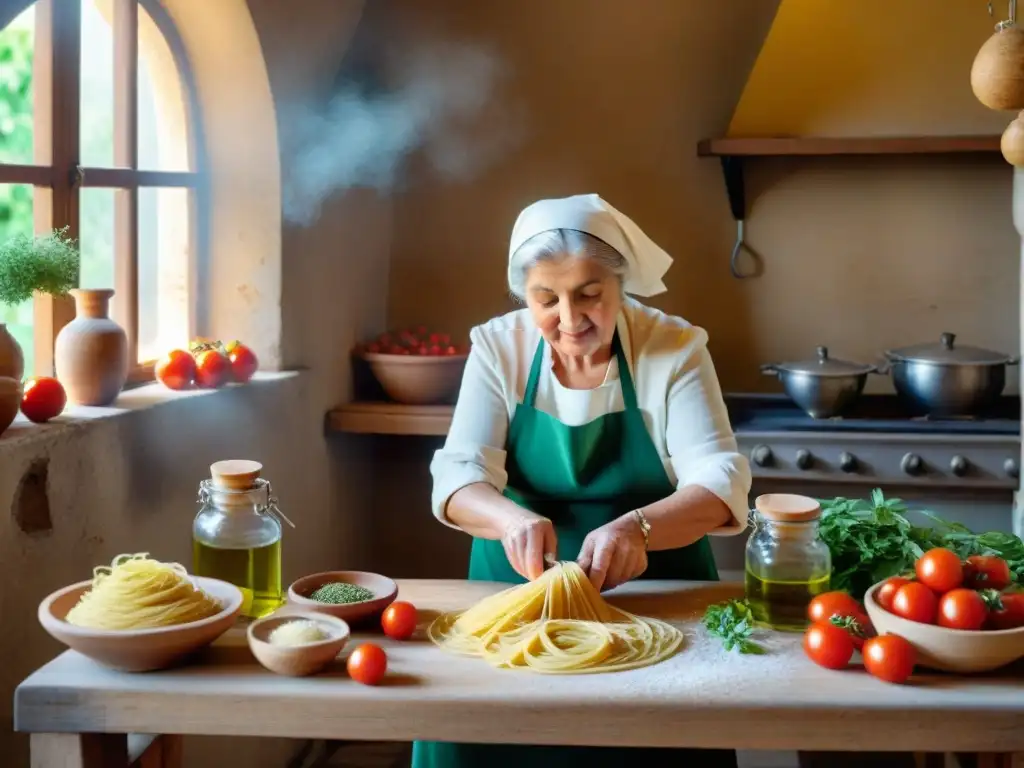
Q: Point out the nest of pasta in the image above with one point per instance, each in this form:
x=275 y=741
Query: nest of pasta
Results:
x=558 y=624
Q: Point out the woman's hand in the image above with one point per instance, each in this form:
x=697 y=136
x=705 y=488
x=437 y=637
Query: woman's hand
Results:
x=527 y=538
x=614 y=553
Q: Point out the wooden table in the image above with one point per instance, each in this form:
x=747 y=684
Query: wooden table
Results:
x=703 y=697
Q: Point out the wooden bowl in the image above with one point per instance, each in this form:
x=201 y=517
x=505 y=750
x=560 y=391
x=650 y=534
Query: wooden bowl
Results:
x=297 y=660
x=949 y=650
x=10 y=401
x=139 y=650
x=418 y=379
x=384 y=590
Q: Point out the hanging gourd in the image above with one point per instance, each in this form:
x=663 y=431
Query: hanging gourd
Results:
x=997 y=79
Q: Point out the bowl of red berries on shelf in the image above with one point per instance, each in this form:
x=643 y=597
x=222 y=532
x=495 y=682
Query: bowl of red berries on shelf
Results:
x=416 y=366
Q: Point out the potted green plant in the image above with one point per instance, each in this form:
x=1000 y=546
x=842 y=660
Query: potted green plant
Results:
x=29 y=264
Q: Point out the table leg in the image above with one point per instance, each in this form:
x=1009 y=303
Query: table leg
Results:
x=999 y=760
x=78 y=750
x=164 y=752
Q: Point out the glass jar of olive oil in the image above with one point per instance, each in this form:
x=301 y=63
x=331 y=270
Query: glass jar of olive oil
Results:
x=787 y=562
x=236 y=537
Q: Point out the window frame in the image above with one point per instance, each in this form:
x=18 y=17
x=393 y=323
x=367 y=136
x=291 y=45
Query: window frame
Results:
x=57 y=175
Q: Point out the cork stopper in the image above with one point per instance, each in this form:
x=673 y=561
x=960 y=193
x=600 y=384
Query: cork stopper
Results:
x=235 y=474
x=787 y=508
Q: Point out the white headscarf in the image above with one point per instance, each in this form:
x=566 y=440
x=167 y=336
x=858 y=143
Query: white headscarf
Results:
x=646 y=261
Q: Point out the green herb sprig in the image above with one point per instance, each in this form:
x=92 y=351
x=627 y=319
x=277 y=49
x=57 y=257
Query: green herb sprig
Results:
x=733 y=622
x=46 y=263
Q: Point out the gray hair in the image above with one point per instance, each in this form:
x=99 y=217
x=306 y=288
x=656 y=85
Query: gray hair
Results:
x=556 y=245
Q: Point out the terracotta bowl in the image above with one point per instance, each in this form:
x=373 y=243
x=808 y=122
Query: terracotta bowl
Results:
x=949 y=650
x=384 y=590
x=297 y=660
x=10 y=401
x=418 y=379
x=139 y=650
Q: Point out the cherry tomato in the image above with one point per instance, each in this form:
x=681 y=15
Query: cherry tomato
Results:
x=243 y=361
x=42 y=399
x=986 y=572
x=887 y=591
x=176 y=369
x=213 y=369
x=1008 y=613
x=828 y=646
x=367 y=664
x=962 y=609
x=399 y=620
x=916 y=602
x=940 y=569
x=824 y=606
x=889 y=658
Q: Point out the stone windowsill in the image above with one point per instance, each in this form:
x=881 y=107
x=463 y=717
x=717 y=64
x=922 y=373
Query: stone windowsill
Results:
x=23 y=434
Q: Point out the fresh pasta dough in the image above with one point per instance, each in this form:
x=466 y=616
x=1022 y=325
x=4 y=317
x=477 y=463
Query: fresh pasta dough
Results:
x=558 y=624
x=136 y=592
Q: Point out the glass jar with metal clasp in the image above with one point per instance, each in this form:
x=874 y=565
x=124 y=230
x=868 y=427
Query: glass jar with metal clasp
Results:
x=787 y=561
x=236 y=536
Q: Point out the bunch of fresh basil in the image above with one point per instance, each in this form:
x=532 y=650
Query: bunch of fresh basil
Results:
x=871 y=540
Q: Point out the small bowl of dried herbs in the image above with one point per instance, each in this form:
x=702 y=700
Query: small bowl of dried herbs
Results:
x=355 y=596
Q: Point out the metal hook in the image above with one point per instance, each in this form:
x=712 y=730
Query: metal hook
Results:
x=737 y=249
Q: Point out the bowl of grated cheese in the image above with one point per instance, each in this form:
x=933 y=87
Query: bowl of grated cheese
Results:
x=355 y=596
x=297 y=643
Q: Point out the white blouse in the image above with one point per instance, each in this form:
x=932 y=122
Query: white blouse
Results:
x=676 y=388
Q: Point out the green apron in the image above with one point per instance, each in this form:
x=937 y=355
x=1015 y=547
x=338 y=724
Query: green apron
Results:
x=580 y=478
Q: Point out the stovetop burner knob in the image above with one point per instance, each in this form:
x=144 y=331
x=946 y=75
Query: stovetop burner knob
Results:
x=762 y=455
x=912 y=464
x=959 y=465
x=804 y=459
x=1010 y=468
x=847 y=462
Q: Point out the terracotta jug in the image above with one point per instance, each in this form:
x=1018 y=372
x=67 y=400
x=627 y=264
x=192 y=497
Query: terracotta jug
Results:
x=12 y=361
x=91 y=354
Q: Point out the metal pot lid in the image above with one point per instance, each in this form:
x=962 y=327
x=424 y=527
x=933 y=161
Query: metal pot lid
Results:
x=947 y=352
x=823 y=365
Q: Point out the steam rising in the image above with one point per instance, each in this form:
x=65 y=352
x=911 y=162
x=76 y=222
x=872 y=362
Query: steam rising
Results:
x=437 y=98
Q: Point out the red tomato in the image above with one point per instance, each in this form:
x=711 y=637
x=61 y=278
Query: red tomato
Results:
x=367 y=664
x=940 y=569
x=986 y=572
x=828 y=646
x=243 y=361
x=42 y=399
x=1008 y=613
x=889 y=658
x=887 y=591
x=176 y=369
x=914 y=601
x=962 y=609
x=824 y=606
x=399 y=620
x=212 y=369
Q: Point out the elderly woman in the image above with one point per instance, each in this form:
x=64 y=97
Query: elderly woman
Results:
x=589 y=427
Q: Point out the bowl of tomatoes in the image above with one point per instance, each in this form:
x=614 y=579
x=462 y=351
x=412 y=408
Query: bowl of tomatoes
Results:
x=416 y=366
x=961 y=616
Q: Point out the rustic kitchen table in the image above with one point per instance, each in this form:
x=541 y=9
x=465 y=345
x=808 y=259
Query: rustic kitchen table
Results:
x=78 y=712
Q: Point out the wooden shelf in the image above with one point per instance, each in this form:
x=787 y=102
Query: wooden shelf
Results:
x=390 y=419
x=795 y=146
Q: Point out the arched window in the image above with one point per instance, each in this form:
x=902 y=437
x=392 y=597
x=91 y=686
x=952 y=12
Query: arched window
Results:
x=99 y=134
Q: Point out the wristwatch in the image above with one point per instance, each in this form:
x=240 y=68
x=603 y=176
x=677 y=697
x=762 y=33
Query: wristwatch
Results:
x=645 y=527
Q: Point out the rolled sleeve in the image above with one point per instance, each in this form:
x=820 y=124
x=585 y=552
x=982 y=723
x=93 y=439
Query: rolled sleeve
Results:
x=474 y=451
x=700 y=441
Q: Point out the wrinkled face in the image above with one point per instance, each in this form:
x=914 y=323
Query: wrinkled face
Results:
x=574 y=302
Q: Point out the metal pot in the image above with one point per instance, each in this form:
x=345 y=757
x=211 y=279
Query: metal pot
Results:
x=945 y=380
x=823 y=387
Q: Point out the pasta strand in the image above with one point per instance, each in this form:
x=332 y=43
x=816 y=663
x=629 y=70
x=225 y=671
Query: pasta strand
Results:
x=136 y=592
x=558 y=624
